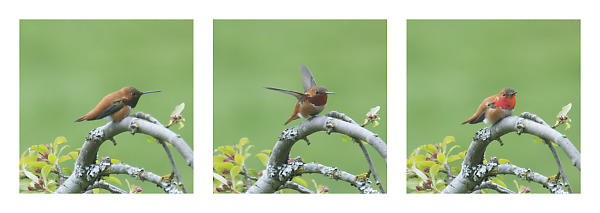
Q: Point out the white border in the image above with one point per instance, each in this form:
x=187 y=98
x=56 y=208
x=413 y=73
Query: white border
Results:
x=203 y=13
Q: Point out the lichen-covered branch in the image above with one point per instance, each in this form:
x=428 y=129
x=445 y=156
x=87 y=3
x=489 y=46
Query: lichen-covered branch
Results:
x=273 y=179
x=361 y=183
x=83 y=176
x=139 y=173
x=468 y=177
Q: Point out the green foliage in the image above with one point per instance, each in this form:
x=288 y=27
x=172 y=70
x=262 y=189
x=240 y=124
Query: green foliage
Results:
x=429 y=170
x=39 y=166
x=230 y=171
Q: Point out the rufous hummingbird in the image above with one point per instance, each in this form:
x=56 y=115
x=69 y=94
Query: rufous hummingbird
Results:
x=312 y=101
x=494 y=108
x=117 y=104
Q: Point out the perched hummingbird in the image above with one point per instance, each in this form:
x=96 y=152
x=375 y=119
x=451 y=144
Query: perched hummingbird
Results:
x=495 y=107
x=312 y=101
x=117 y=104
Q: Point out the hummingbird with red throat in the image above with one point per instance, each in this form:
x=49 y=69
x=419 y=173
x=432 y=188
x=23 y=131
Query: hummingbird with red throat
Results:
x=492 y=109
x=117 y=105
x=312 y=101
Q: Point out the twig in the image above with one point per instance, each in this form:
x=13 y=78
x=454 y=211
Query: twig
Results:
x=538 y=119
x=141 y=174
x=168 y=151
x=107 y=186
x=560 y=168
x=491 y=185
x=346 y=118
x=297 y=187
x=371 y=167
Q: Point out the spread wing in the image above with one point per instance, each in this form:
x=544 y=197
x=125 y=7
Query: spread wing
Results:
x=298 y=95
x=307 y=78
x=112 y=108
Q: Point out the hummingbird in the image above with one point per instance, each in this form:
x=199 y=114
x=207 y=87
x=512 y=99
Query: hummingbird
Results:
x=312 y=101
x=117 y=104
x=494 y=108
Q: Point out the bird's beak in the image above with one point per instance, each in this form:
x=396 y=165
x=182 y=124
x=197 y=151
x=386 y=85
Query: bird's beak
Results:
x=151 y=91
x=329 y=92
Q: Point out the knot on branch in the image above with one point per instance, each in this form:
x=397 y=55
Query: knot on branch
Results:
x=94 y=172
x=134 y=126
x=480 y=172
x=289 y=135
x=287 y=171
x=96 y=135
x=483 y=135
x=329 y=125
x=520 y=125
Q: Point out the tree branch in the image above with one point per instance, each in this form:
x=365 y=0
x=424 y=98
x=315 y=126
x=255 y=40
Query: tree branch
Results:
x=107 y=186
x=470 y=176
x=491 y=185
x=85 y=171
x=275 y=174
x=141 y=174
x=297 y=187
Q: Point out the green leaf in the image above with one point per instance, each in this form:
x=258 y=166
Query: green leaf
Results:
x=178 y=109
x=346 y=138
x=151 y=139
x=51 y=186
x=449 y=139
x=64 y=158
x=263 y=158
x=498 y=181
x=52 y=159
x=66 y=171
x=433 y=171
x=59 y=140
x=412 y=183
x=235 y=170
x=225 y=166
x=564 y=110
x=503 y=161
x=112 y=179
x=441 y=158
x=74 y=155
x=244 y=141
x=537 y=140
x=455 y=170
x=300 y=181
x=253 y=172
x=452 y=148
x=425 y=164
x=114 y=161
x=430 y=148
x=239 y=159
x=217 y=160
x=220 y=178
x=226 y=149
x=268 y=151
x=45 y=171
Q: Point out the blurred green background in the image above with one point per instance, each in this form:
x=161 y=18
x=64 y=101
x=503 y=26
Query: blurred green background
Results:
x=348 y=57
x=67 y=66
x=454 y=64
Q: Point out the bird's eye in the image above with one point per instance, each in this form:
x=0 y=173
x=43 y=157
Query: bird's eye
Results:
x=132 y=93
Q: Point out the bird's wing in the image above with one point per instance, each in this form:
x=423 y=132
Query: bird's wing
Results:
x=307 y=78
x=298 y=95
x=112 y=108
x=482 y=108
